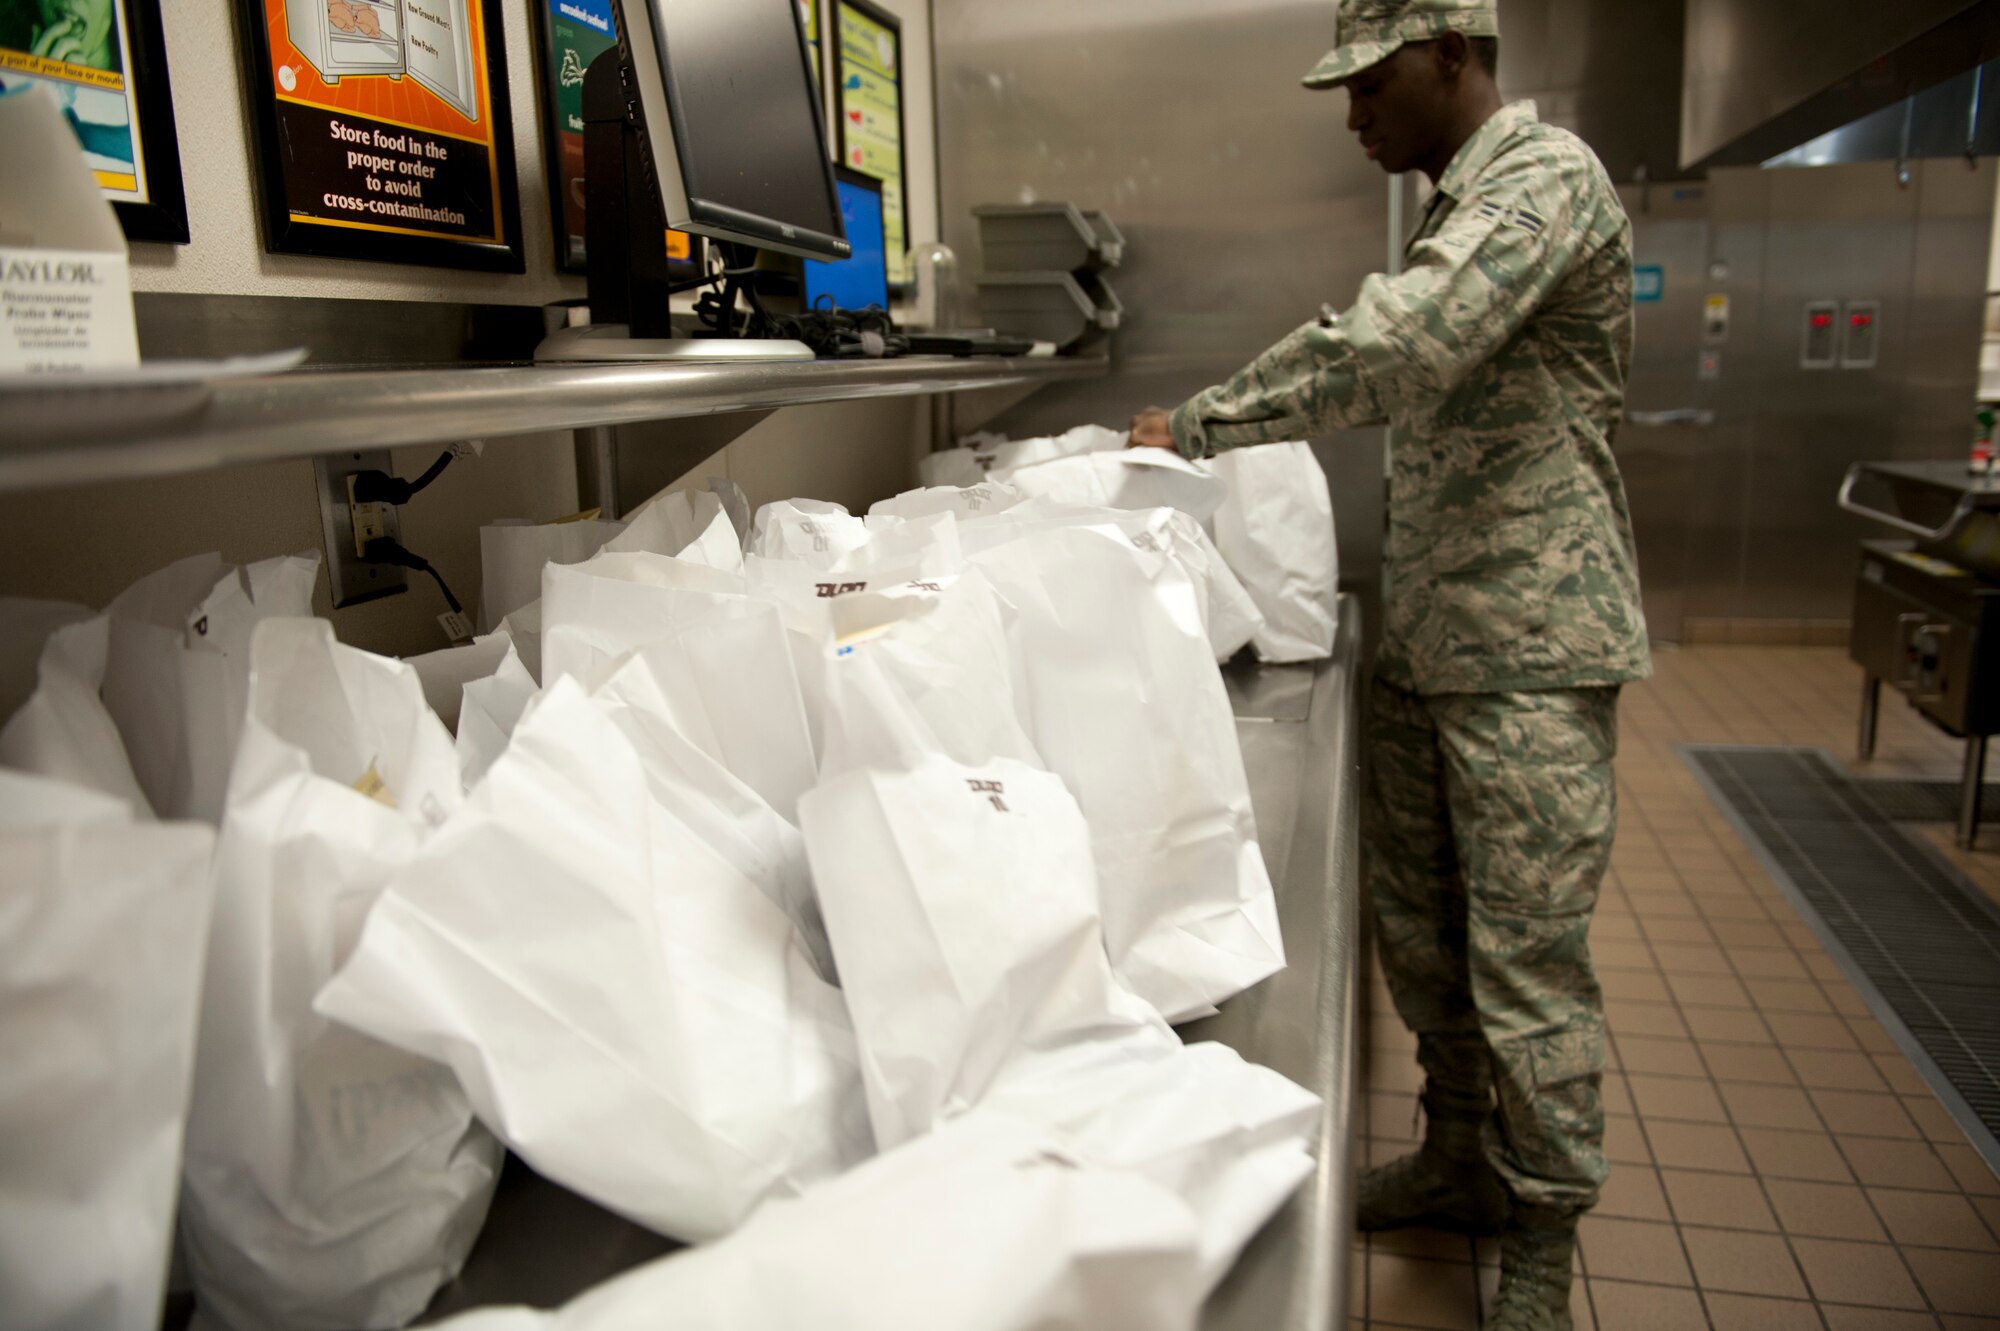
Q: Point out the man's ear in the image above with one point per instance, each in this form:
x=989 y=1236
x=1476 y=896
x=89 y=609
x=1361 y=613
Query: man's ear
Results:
x=1452 y=53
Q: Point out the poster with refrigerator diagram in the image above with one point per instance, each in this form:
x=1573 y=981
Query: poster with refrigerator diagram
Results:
x=105 y=62
x=869 y=109
x=385 y=131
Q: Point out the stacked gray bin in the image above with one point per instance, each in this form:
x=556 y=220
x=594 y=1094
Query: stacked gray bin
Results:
x=1044 y=272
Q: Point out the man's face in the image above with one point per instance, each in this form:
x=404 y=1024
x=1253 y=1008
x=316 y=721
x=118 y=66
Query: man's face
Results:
x=1399 y=108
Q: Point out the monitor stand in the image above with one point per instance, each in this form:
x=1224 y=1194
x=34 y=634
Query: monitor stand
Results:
x=626 y=242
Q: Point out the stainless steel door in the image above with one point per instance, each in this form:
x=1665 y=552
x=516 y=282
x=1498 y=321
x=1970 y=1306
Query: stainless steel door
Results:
x=1670 y=408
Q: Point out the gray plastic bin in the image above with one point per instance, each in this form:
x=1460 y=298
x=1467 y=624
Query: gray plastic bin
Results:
x=1110 y=240
x=1048 y=307
x=1042 y=238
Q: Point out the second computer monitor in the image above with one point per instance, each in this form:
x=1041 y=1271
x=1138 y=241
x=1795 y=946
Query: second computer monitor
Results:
x=862 y=280
x=732 y=112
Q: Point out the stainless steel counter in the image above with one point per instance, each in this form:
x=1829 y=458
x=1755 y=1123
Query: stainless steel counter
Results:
x=1300 y=728
x=543 y=1245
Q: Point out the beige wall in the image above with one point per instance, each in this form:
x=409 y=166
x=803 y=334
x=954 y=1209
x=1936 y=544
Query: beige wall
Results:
x=87 y=544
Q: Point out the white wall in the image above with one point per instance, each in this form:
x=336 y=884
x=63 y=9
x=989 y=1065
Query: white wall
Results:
x=87 y=544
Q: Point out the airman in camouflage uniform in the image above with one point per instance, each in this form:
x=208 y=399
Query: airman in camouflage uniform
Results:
x=1499 y=359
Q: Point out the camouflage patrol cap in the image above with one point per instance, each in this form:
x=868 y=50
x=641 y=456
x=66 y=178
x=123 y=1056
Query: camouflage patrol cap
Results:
x=1371 y=31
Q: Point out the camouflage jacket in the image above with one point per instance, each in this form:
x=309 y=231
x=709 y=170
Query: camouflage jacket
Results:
x=1499 y=359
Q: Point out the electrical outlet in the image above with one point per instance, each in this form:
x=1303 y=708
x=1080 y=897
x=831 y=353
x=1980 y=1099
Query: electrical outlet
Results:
x=348 y=527
x=370 y=521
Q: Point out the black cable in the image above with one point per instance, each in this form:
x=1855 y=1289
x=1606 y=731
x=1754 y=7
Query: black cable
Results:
x=375 y=487
x=842 y=334
x=385 y=550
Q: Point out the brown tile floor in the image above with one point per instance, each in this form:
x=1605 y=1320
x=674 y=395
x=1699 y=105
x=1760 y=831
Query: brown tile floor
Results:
x=1776 y=1162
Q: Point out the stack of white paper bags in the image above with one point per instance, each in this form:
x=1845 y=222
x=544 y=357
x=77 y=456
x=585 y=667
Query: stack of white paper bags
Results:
x=815 y=887
x=1052 y=1155
x=101 y=945
x=1267 y=509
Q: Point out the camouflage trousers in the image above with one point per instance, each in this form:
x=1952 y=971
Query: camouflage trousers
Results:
x=1487 y=829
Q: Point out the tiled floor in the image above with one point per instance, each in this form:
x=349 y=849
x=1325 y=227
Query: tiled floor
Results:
x=1777 y=1164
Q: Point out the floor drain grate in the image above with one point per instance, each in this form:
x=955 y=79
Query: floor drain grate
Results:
x=1920 y=941
x=1924 y=801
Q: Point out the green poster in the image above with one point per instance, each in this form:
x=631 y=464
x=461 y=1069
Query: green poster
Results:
x=871 y=118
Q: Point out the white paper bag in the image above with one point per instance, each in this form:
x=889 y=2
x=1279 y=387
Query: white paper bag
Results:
x=513 y=552
x=963 y=910
x=595 y=612
x=736 y=505
x=444 y=674
x=524 y=629
x=690 y=527
x=806 y=531
x=103 y=926
x=64 y=731
x=1134 y=478
x=1125 y=703
x=1276 y=531
x=1230 y=1138
x=729 y=664
x=985 y=1225
x=972 y=500
x=923 y=668
x=177 y=669
x=631 y=1015
x=332 y=1181
x=1229 y=616
x=25 y=625
x=920 y=550
x=488 y=712
x=693 y=778
x=726 y=682
x=981 y=454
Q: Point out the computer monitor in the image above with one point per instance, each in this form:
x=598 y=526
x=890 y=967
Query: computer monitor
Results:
x=732 y=116
x=862 y=280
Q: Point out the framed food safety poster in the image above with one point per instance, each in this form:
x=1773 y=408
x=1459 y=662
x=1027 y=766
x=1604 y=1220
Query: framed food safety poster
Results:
x=868 y=84
x=384 y=131
x=106 y=63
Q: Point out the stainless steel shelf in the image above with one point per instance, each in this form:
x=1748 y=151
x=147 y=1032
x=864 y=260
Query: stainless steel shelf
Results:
x=73 y=436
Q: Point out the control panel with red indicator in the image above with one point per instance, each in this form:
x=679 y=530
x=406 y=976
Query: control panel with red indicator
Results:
x=1861 y=335
x=1821 y=349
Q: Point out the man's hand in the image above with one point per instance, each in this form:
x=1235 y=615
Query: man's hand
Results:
x=1151 y=428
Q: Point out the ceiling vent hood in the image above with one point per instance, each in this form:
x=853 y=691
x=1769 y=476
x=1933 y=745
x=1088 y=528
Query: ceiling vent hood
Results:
x=1958 y=118
x=1765 y=77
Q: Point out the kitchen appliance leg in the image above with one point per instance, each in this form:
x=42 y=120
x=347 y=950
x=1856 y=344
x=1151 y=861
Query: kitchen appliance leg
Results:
x=1871 y=711
x=1974 y=789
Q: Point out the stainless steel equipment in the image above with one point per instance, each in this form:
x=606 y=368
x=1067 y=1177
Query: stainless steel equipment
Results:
x=1762 y=78
x=1245 y=203
x=1734 y=444
x=1927 y=610
x=1670 y=409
